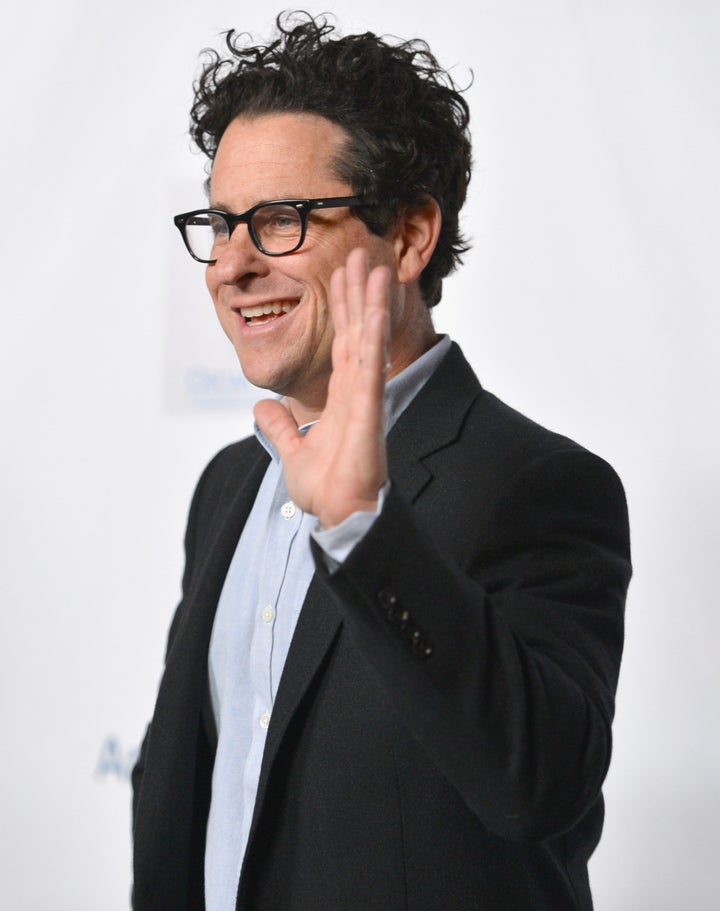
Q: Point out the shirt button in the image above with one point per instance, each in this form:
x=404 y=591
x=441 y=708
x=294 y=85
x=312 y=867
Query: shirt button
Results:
x=288 y=510
x=265 y=720
x=268 y=614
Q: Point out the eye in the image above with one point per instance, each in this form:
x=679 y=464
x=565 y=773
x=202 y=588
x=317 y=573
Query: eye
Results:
x=277 y=219
x=281 y=221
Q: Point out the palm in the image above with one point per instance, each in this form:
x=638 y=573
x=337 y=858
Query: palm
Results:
x=339 y=466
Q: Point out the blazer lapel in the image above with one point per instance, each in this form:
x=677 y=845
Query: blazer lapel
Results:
x=219 y=540
x=317 y=627
x=430 y=423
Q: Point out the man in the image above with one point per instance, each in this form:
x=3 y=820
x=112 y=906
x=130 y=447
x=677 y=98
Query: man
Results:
x=390 y=681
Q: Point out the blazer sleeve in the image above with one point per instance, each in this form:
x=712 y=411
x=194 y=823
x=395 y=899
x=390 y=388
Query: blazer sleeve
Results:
x=493 y=618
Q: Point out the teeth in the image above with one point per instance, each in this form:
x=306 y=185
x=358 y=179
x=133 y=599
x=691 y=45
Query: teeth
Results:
x=276 y=307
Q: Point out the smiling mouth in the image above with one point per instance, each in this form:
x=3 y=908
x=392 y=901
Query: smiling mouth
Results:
x=263 y=313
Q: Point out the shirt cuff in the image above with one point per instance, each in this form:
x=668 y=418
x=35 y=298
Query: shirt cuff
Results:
x=337 y=542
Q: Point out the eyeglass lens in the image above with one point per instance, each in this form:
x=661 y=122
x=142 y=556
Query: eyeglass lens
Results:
x=276 y=227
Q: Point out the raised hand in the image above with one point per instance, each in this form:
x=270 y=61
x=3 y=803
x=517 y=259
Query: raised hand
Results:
x=339 y=466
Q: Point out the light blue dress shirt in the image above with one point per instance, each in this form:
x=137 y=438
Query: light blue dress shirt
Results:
x=258 y=609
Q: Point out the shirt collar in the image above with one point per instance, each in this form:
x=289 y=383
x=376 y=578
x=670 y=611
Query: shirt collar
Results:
x=403 y=388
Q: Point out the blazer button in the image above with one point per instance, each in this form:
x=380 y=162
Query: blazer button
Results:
x=387 y=598
x=388 y=601
x=422 y=648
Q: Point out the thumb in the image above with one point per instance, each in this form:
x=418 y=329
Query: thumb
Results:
x=276 y=422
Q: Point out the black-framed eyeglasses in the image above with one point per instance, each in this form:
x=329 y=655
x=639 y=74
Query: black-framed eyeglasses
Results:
x=277 y=227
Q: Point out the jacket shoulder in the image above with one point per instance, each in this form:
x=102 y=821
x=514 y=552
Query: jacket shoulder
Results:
x=222 y=476
x=454 y=407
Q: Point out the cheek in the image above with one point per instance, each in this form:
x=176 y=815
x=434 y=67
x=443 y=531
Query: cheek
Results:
x=210 y=282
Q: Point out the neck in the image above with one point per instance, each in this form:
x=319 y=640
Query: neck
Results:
x=303 y=413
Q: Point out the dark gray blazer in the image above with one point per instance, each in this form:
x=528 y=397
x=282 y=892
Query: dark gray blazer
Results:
x=442 y=726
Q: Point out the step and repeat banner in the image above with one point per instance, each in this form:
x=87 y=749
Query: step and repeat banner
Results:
x=588 y=300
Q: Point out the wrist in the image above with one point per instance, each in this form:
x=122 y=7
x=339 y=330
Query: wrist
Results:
x=372 y=506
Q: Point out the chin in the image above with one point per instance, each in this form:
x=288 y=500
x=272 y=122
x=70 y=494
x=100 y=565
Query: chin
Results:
x=268 y=381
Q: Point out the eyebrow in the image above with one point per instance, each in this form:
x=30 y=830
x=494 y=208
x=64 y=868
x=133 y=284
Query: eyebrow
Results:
x=220 y=206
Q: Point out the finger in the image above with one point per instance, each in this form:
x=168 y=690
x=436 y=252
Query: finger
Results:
x=276 y=422
x=376 y=336
x=377 y=292
x=356 y=285
x=338 y=300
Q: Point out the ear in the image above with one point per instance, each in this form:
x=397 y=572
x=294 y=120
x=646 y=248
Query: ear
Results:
x=416 y=236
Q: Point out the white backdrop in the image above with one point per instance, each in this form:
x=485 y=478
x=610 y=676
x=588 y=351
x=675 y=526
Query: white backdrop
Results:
x=589 y=301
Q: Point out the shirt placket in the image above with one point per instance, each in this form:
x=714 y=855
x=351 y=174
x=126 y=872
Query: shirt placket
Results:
x=284 y=524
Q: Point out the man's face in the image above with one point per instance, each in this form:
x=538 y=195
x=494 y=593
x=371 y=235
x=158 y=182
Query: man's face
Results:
x=281 y=156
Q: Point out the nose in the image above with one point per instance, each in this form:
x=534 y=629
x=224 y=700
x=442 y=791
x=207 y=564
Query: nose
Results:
x=239 y=259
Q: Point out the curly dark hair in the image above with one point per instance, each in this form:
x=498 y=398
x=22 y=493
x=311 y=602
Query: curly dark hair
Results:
x=405 y=119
